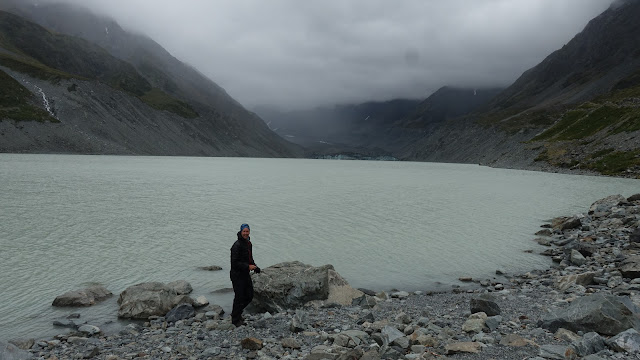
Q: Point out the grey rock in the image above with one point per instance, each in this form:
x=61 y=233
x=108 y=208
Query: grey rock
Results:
x=630 y=267
x=572 y=223
x=462 y=347
x=565 y=282
x=553 y=352
x=291 y=285
x=400 y=295
x=23 y=344
x=590 y=343
x=84 y=297
x=493 y=322
x=577 y=258
x=212 y=351
x=12 y=352
x=200 y=301
x=180 y=312
x=298 y=322
x=181 y=287
x=635 y=236
x=147 y=299
x=475 y=323
x=290 y=343
x=391 y=333
x=604 y=314
x=210 y=268
x=89 y=329
x=66 y=323
x=626 y=341
x=365 y=301
x=593 y=357
x=485 y=303
x=605 y=205
x=77 y=340
x=632 y=198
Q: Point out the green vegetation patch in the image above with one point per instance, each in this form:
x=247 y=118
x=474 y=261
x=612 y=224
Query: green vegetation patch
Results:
x=596 y=121
x=568 y=119
x=616 y=162
x=15 y=102
x=33 y=69
x=579 y=124
x=601 y=153
x=629 y=123
x=158 y=99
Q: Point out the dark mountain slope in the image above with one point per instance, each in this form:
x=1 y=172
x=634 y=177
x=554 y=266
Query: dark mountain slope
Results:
x=591 y=64
x=579 y=108
x=27 y=49
x=446 y=103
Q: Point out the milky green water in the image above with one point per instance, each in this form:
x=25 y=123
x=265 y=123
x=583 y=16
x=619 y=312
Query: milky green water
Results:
x=67 y=222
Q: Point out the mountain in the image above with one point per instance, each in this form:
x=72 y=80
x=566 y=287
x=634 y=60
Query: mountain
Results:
x=446 y=103
x=353 y=124
x=579 y=108
x=110 y=91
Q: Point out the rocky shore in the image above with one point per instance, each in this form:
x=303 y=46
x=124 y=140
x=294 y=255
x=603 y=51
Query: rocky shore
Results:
x=584 y=306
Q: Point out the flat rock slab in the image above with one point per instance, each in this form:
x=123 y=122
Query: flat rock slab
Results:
x=463 y=347
x=210 y=268
x=84 y=297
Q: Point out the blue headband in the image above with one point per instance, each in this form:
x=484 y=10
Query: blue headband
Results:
x=243 y=226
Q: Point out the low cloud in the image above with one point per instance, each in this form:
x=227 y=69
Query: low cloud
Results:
x=297 y=54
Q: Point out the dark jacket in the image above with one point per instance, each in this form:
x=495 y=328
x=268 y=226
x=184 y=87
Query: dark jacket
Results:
x=241 y=258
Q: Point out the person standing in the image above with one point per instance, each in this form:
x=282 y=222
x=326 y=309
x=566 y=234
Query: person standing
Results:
x=241 y=265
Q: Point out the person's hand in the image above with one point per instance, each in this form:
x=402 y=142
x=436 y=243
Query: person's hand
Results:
x=252 y=267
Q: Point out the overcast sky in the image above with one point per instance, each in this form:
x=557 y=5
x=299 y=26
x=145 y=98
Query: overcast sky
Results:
x=303 y=53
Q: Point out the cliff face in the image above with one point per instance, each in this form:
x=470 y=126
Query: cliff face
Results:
x=121 y=95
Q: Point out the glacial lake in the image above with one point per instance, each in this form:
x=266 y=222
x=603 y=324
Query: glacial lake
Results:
x=68 y=222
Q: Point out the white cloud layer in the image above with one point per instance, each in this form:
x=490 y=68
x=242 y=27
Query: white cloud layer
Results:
x=302 y=53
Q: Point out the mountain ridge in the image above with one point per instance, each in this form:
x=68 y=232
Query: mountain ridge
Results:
x=33 y=54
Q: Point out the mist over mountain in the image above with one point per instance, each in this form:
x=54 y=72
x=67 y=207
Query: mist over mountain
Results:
x=579 y=108
x=152 y=103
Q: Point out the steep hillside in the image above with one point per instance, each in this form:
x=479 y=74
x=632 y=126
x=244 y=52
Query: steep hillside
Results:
x=38 y=58
x=446 y=103
x=578 y=109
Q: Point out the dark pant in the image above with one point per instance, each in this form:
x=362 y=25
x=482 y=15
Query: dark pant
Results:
x=243 y=289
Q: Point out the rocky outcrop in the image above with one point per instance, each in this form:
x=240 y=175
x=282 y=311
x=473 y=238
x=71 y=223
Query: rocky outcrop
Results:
x=84 y=297
x=291 y=285
x=605 y=314
x=147 y=299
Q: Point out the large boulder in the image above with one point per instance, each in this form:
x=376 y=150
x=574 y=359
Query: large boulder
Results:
x=83 y=297
x=604 y=314
x=291 y=285
x=12 y=352
x=605 y=205
x=147 y=299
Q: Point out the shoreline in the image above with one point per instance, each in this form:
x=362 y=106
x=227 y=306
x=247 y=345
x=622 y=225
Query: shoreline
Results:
x=431 y=325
